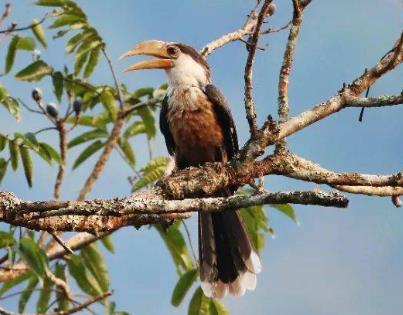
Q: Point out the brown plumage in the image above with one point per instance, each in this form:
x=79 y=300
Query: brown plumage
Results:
x=195 y=128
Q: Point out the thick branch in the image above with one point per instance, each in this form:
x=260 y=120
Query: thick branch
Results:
x=380 y=101
x=291 y=165
x=383 y=191
x=213 y=177
x=97 y=215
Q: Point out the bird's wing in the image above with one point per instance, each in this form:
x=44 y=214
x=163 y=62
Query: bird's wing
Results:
x=169 y=140
x=225 y=119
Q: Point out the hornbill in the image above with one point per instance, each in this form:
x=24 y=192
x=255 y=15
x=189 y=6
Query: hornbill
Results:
x=198 y=127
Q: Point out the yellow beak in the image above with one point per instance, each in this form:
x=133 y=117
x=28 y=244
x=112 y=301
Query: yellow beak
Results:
x=153 y=48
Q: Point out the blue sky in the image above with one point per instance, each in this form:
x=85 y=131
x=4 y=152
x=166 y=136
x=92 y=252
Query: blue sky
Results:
x=336 y=261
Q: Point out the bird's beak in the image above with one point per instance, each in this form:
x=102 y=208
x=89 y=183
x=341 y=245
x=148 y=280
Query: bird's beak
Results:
x=153 y=48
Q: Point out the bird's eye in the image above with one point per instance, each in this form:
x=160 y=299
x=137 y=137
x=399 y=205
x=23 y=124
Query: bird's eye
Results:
x=172 y=51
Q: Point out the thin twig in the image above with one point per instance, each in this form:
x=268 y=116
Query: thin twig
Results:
x=249 y=101
x=286 y=67
x=190 y=242
x=61 y=242
x=276 y=30
x=113 y=139
x=44 y=129
x=63 y=156
x=29 y=108
x=115 y=79
x=32 y=25
x=83 y=305
x=246 y=29
x=6 y=12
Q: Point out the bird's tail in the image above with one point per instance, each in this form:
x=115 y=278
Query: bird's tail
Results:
x=228 y=262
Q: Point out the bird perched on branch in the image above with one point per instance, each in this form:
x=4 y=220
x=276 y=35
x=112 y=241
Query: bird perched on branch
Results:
x=198 y=127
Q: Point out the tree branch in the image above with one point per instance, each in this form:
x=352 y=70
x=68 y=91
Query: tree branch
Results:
x=380 y=101
x=383 y=191
x=252 y=45
x=13 y=27
x=6 y=12
x=63 y=156
x=246 y=29
x=144 y=208
x=271 y=133
x=285 y=71
x=294 y=166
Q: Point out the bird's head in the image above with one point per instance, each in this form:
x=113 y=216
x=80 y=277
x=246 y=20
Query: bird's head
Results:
x=182 y=63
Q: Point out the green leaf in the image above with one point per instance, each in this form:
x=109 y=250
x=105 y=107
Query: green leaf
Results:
x=90 y=150
x=108 y=244
x=6 y=239
x=79 y=63
x=34 y=256
x=52 y=152
x=143 y=92
x=62 y=302
x=58 y=84
x=51 y=3
x=183 y=286
x=13 y=282
x=27 y=164
x=134 y=129
x=78 y=39
x=88 y=121
x=12 y=51
x=256 y=223
x=217 y=308
x=17 y=42
x=26 y=293
x=149 y=121
x=110 y=308
x=39 y=33
x=199 y=304
x=127 y=150
x=108 y=101
x=3 y=142
x=66 y=19
x=26 y=43
x=34 y=72
x=44 y=296
x=102 y=119
x=14 y=152
x=11 y=104
x=87 y=136
x=30 y=140
x=176 y=245
x=92 y=62
x=73 y=42
x=85 y=281
x=87 y=46
x=3 y=92
x=287 y=209
x=95 y=263
x=153 y=171
x=3 y=170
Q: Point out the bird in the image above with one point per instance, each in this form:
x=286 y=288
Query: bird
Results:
x=198 y=127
